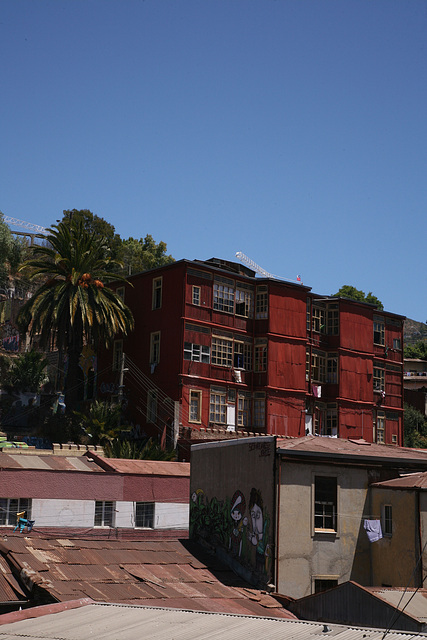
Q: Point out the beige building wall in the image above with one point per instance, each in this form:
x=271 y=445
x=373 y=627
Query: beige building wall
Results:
x=306 y=554
x=394 y=556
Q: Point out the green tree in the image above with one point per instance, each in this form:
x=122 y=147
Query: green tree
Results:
x=27 y=372
x=417 y=350
x=143 y=254
x=147 y=450
x=97 y=225
x=73 y=305
x=102 y=423
x=414 y=428
x=11 y=254
x=347 y=291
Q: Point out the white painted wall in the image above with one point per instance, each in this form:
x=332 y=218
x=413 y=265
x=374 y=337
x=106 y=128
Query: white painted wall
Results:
x=171 y=515
x=81 y=513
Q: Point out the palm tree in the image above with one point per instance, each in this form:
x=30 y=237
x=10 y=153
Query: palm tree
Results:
x=73 y=306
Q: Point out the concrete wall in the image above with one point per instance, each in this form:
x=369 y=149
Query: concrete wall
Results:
x=394 y=557
x=232 y=502
x=305 y=554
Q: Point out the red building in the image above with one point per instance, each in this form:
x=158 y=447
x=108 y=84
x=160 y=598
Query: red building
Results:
x=216 y=347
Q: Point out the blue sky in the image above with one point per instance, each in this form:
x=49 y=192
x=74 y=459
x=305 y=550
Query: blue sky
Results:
x=291 y=130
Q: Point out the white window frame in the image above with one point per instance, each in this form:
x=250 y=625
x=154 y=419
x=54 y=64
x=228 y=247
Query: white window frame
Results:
x=318 y=366
x=157 y=293
x=379 y=331
x=152 y=400
x=10 y=507
x=261 y=302
x=318 y=319
x=245 y=303
x=380 y=428
x=222 y=351
x=243 y=409
x=260 y=355
x=378 y=379
x=223 y=297
x=197 y=352
x=155 y=347
x=195 y=406
x=117 y=355
x=259 y=411
x=195 y=295
x=102 y=508
x=322 y=508
x=218 y=406
x=332 y=368
x=243 y=349
x=144 y=520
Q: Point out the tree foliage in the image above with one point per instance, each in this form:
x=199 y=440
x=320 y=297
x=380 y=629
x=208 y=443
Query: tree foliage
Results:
x=73 y=305
x=135 y=255
x=147 y=450
x=414 y=428
x=417 y=350
x=11 y=253
x=101 y=423
x=347 y=291
x=26 y=372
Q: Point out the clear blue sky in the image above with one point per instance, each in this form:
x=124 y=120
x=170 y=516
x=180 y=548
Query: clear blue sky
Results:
x=292 y=130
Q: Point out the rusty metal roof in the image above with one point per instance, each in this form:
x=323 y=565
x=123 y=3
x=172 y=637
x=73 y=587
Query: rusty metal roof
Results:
x=412 y=601
x=408 y=481
x=48 y=462
x=10 y=590
x=171 y=573
x=142 y=467
x=108 y=621
x=339 y=447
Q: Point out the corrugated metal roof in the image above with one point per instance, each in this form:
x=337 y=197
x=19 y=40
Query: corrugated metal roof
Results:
x=125 y=571
x=410 y=481
x=109 y=622
x=10 y=589
x=340 y=446
x=48 y=462
x=412 y=601
x=145 y=467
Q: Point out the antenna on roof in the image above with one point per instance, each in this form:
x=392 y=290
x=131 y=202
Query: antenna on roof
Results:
x=262 y=272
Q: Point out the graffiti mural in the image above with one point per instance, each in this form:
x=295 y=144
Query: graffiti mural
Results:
x=223 y=522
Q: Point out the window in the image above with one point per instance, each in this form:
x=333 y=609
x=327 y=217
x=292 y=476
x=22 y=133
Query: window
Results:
x=379 y=333
x=379 y=379
x=397 y=344
x=155 y=348
x=380 y=427
x=333 y=320
x=222 y=351
x=260 y=355
x=307 y=365
x=121 y=293
x=196 y=352
x=196 y=296
x=195 y=409
x=318 y=319
x=322 y=584
x=318 y=366
x=104 y=514
x=331 y=421
x=157 y=293
x=244 y=410
x=144 y=515
x=325 y=503
x=243 y=356
x=387 y=520
x=332 y=368
x=308 y=314
x=261 y=304
x=259 y=410
x=152 y=405
x=244 y=303
x=10 y=507
x=223 y=297
x=217 y=409
x=117 y=355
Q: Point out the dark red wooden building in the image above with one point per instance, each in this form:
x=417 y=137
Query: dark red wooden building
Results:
x=215 y=347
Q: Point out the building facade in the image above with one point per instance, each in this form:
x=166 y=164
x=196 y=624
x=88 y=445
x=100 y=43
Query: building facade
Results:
x=95 y=496
x=214 y=347
x=292 y=514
